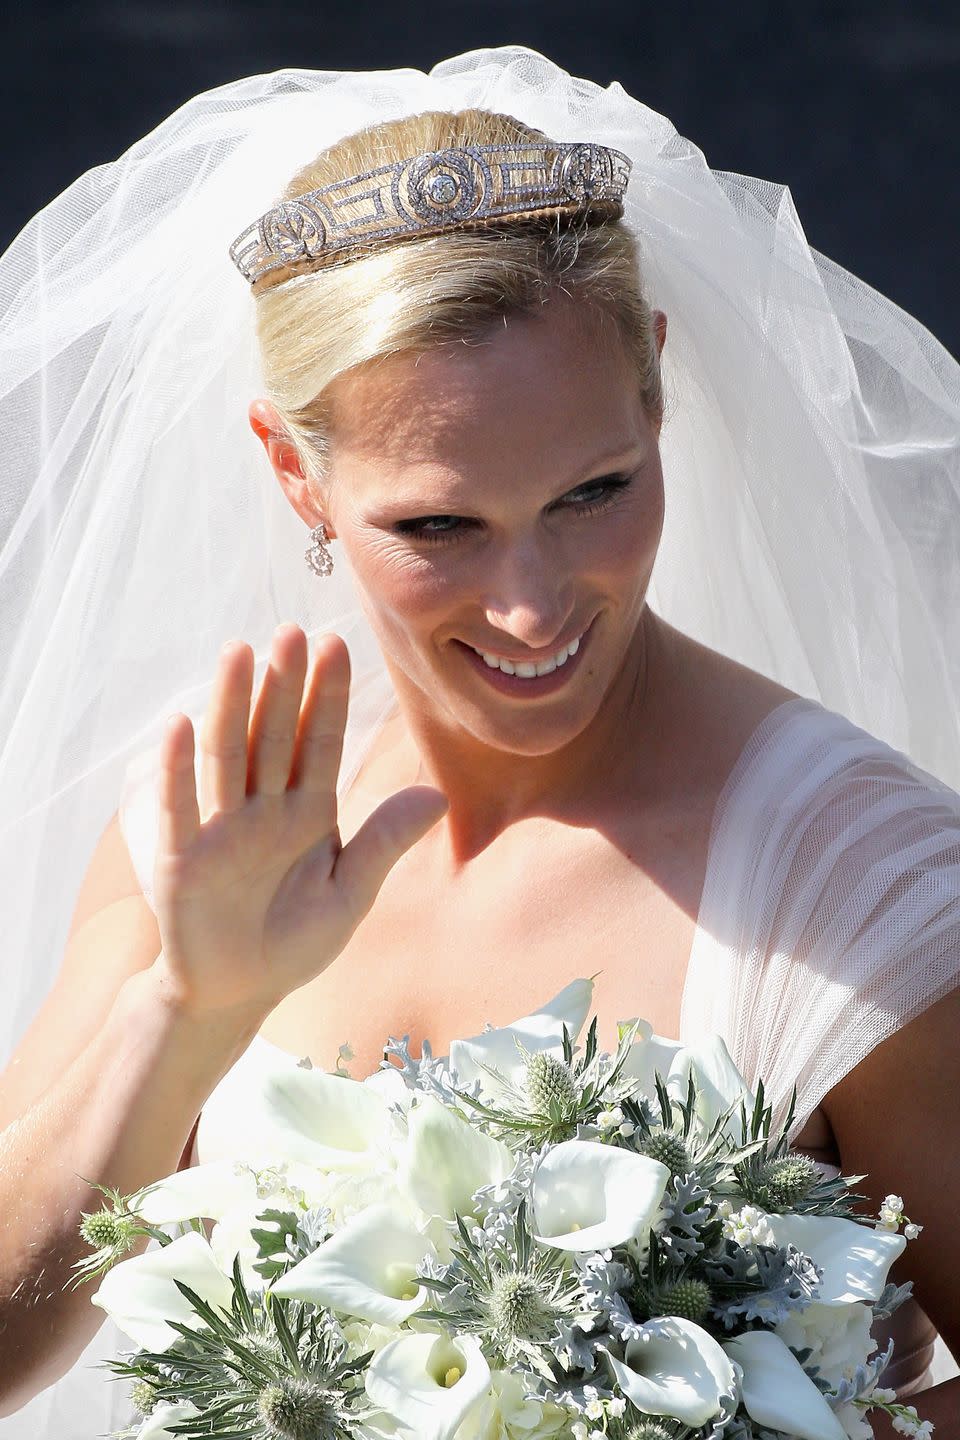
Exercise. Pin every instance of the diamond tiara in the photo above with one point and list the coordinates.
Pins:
(426, 194)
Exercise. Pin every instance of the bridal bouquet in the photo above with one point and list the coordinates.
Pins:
(527, 1239)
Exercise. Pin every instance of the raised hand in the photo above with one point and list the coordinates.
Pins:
(260, 896)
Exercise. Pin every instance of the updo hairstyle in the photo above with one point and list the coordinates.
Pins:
(414, 295)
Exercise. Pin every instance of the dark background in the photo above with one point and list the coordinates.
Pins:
(852, 105)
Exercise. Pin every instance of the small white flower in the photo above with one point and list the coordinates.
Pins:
(748, 1226)
(597, 1435)
(616, 1406)
(594, 1410)
(610, 1119)
(912, 1231)
(893, 1203)
(579, 1430)
(883, 1396)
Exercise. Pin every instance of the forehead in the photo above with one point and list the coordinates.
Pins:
(536, 394)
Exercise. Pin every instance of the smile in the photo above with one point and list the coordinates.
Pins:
(526, 669)
(527, 679)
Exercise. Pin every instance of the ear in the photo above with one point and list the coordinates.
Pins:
(286, 463)
(660, 329)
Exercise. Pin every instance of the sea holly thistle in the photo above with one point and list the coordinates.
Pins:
(111, 1232)
(509, 1292)
(777, 1181)
(271, 1369)
(559, 1099)
(668, 1129)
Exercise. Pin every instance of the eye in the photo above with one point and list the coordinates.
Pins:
(592, 496)
(595, 494)
(433, 527)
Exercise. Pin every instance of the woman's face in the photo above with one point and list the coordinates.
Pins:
(501, 506)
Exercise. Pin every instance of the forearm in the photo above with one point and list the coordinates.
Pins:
(119, 1115)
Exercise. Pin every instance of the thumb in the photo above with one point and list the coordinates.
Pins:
(396, 825)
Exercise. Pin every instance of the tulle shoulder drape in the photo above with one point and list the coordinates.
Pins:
(831, 910)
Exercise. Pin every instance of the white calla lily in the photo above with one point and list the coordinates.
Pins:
(541, 1031)
(589, 1196)
(388, 1082)
(776, 1390)
(139, 1293)
(719, 1083)
(367, 1269)
(446, 1159)
(201, 1191)
(428, 1382)
(673, 1367)
(327, 1121)
(854, 1258)
(648, 1056)
(165, 1413)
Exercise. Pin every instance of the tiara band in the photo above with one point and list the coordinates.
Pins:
(426, 194)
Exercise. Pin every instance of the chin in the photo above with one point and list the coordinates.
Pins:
(540, 730)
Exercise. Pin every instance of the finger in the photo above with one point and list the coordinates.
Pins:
(273, 729)
(323, 719)
(223, 736)
(395, 825)
(178, 813)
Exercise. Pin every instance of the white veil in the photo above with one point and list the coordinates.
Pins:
(810, 456)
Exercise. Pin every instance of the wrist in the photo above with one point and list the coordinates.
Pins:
(157, 1000)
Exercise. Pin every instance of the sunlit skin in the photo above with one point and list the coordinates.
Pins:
(507, 496)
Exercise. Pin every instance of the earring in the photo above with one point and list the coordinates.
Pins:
(318, 556)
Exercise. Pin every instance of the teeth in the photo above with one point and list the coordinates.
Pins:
(525, 668)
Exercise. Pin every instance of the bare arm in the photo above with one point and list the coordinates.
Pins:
(120, 1113)
(148, 1014)
(896, 1119)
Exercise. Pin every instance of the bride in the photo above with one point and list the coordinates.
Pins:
(637, 523)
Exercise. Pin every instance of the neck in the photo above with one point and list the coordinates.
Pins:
(489, 789)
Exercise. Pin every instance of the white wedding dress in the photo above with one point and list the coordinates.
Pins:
(833, 873)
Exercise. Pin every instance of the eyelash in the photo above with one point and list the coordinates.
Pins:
(612, 486)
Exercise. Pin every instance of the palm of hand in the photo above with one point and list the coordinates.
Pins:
(260, 897)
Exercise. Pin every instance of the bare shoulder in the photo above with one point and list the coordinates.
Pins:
(113, 934)
(719, 703)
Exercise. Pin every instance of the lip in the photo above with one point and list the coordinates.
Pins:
(516, 685)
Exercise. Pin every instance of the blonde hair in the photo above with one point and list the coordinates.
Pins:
(416, 294)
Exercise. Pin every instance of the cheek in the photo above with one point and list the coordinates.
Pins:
(623, 547)
(399, 587)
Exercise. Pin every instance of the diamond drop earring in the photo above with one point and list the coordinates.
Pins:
(318, 556)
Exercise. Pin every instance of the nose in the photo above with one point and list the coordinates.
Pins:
(529, 594)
